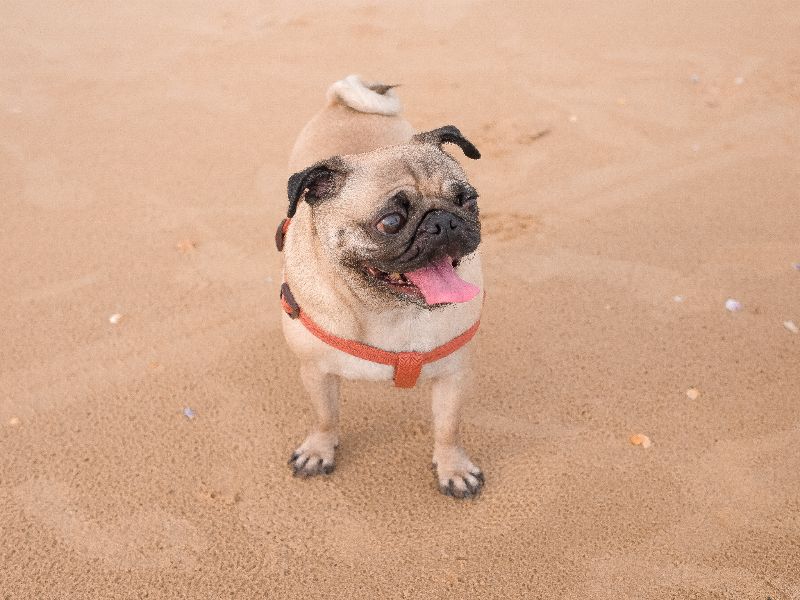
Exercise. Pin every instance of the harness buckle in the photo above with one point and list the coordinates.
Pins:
(409, 366)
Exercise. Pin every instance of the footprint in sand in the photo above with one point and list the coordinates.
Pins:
(505, 137)
(147, 539)
(506, 226)
(50, 185)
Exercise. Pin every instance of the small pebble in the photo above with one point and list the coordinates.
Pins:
(790, 325)
(692, 394)
(739, 80)
(268, 279)
(115, 318)
(186, 246)
(13, 421)
(695, 78)
(733, 305)
(189, 413)
(695, 147)
(642, 440)
(678, 298)
(573, 118)
(711, 96)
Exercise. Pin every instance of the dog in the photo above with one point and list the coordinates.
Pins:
(382, 275)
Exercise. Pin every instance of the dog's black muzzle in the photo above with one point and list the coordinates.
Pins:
(440, 233)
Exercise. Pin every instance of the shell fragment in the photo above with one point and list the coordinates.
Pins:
(641, 439)
(733, 305)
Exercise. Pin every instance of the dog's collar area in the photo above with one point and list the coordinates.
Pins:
(407, 365)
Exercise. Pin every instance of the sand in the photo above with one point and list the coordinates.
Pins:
(143, 165)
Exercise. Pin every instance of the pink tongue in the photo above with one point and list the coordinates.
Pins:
(440, 283)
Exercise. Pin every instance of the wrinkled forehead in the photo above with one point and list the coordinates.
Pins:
(423, 167)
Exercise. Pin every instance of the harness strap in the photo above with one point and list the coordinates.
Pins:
(280, 234)
(407, 365)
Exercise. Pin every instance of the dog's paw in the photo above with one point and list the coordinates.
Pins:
(456, 474)
(315, 456)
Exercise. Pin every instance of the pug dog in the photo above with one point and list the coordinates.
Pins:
(382, 275)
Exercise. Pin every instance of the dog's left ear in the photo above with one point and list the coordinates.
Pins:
(448, 134)
(318, 182)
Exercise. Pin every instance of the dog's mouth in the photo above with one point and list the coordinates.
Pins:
(436, 283)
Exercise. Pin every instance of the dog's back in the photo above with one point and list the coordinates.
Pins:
(359, 117)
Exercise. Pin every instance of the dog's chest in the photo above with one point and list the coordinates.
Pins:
(396, 333)
(351, 367)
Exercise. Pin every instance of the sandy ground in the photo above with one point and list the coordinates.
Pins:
(142, 172)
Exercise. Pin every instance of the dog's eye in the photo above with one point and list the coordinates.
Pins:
(471, 204)
(468, 201)
(391, 223)
(467, 198)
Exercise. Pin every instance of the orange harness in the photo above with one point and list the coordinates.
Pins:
(407, 365)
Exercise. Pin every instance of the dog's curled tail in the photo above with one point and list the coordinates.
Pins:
(364, 97)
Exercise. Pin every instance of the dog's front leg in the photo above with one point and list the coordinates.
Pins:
(457, 475)
(315, 455)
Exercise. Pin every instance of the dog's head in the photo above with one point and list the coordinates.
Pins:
(395, 222)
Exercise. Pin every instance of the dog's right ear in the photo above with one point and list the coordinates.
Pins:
(317, 182)
(449, 134)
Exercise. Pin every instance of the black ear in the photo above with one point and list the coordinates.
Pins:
(448, 135)
(319, 181)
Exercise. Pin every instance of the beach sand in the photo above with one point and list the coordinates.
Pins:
(631, 154)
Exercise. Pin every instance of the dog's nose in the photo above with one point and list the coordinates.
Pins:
(439, 233)
(439, 222)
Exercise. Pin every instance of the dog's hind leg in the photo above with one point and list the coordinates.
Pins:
(315, 456)
(456, 474)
